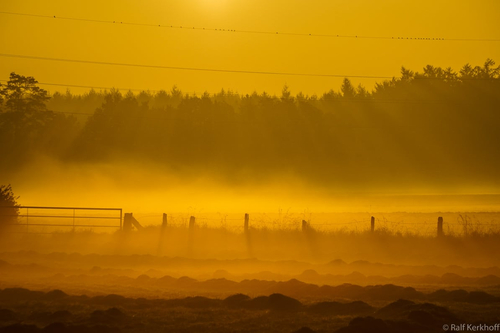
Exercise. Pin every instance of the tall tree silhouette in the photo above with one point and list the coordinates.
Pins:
(26, 126)
(347, 89)
(22, 94)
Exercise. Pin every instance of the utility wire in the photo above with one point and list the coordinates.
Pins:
(233, 71)
(89, 87)
(184, 93)
(261, 32)
(189, 68)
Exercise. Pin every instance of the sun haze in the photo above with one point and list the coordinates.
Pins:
(249, 166)
(375, 38)
(336, 139)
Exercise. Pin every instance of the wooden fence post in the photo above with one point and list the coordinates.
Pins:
(304, 225)
(192, 221)
(135, 223)
(163, 231)
(127, 222)
(247, 235)
(373, 224)
(247, 219)
(440, 227)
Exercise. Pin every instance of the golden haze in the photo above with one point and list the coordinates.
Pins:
(242, 51)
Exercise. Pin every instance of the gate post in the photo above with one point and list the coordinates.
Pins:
(127, 222)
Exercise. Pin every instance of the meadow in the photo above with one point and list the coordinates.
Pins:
(275, 278)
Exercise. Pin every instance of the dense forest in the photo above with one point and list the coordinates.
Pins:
(437, 127)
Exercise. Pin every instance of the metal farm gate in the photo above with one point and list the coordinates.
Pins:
(50, 219)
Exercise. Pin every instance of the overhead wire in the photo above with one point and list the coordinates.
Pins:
(234, 71)
(261, 32)
(183, 68)
(90, 87)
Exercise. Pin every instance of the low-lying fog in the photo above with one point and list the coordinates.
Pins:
(149, 189)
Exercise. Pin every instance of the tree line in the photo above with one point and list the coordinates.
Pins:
(437, 126)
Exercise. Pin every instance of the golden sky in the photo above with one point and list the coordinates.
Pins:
(149, 45)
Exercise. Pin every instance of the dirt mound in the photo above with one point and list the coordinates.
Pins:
(304, 330)
(366, 325)
(7, 315)
(19, 294)
(426, 314)
(62, 315)
(56, 328)
(110, 300)
(377, 325)
(337, 308)
(20, 328)
(109, 316)
(481, 297)
(386, 292)
(50, 317)
(55, 295)
(62, 328)
(390, 292)
(236, 300)
(199, 302)
(275, 302)
(294, 288)
(4, 264)
(220, 284)
(461, 295)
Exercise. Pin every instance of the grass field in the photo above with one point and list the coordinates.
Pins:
(214, 279)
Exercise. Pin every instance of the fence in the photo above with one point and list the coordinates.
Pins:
(37, 219)
(437, 224)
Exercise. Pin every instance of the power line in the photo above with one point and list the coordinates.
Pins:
(223, 70)
(88, 87)
(190, 68)
(261, 32)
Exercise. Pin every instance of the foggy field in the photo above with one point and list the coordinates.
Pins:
(122, 292)
(329, 274)
(258, 166)
(237, 313)
(207, 279)
(466, 241)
